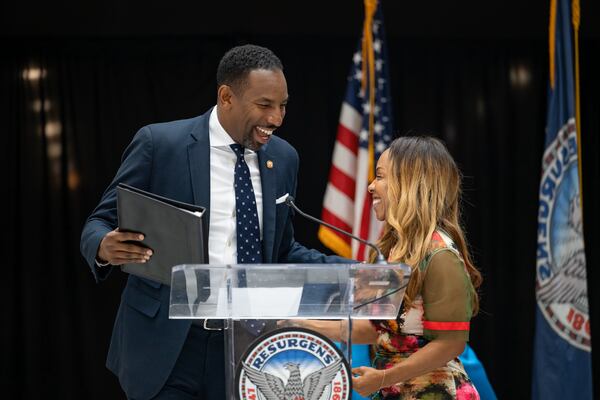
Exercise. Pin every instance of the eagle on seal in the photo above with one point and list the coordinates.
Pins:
(313, 386)
(568, 284)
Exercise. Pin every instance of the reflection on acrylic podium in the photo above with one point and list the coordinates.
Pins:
(267, 355)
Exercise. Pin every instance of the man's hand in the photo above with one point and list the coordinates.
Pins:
(116, 248)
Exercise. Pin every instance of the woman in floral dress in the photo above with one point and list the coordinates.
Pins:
(416, 190)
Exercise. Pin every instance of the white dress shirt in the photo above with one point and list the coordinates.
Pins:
(222, 238)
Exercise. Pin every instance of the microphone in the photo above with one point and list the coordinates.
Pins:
(289, 201)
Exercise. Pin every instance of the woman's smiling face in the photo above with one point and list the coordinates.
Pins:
(378, 188)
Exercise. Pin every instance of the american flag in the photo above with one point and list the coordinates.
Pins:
(364, 132)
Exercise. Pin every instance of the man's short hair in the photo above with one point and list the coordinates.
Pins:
(239, 61)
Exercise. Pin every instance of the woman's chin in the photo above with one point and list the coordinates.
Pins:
(380, 215)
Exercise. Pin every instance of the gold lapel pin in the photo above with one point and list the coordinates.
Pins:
(269, 164)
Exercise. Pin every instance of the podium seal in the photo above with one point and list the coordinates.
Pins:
(293, 363)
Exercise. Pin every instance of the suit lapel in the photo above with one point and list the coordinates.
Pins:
(199, 160)
(268, 180)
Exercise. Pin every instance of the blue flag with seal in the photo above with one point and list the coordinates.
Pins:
(562, 349)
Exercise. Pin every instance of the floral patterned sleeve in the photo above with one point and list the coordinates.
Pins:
(447, 295)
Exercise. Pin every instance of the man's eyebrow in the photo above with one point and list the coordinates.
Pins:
(267, 100)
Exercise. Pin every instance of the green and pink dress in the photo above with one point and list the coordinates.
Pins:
(442, 310)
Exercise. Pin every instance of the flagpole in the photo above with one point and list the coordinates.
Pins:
(576, 18)
(368, 74)
(552, 42)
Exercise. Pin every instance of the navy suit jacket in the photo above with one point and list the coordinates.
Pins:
(173, 160)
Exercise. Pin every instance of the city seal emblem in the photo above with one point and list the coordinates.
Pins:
(293, 364)
(561, 275)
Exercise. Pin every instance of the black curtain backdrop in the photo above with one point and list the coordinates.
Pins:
(70, 106)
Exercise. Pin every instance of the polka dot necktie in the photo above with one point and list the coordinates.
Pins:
(249, 248)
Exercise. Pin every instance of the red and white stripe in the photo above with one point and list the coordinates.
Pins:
(347, 204)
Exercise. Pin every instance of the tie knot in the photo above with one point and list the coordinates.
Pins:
(238, 149)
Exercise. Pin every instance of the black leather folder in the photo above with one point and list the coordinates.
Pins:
(176, 232)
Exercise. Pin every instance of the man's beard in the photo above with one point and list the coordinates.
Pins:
(250, 143)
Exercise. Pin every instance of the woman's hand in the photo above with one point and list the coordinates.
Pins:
(296, 323)
(369, 380)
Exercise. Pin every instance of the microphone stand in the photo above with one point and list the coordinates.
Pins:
(379, 259)
(289, 201)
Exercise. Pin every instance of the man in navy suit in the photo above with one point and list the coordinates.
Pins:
(193, 161)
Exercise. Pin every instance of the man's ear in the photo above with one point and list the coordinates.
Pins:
(224, 95)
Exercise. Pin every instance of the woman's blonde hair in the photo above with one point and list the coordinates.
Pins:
(423, 193)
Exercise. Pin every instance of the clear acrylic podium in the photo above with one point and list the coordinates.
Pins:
(269, 295)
